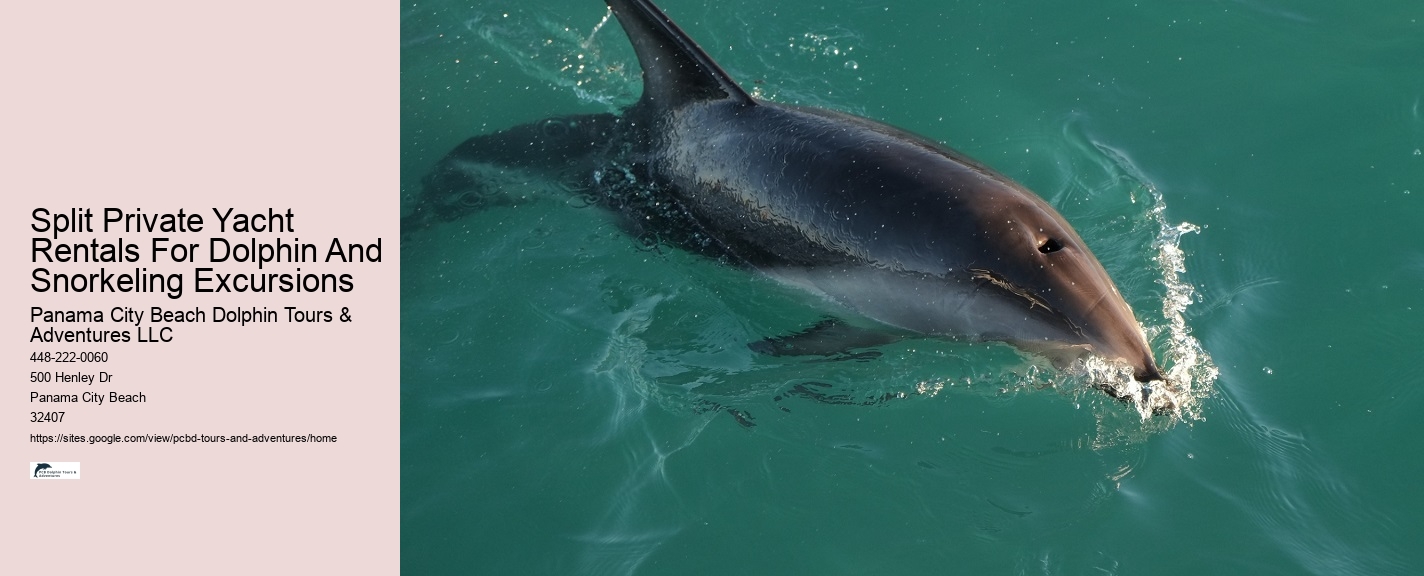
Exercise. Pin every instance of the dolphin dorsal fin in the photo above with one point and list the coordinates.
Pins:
(675, 70)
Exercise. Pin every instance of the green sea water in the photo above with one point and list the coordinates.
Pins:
(1249, 172)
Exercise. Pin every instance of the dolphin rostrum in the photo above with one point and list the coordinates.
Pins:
(892, 229)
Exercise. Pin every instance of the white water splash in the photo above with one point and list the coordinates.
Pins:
(561, 55)
(1190, 372)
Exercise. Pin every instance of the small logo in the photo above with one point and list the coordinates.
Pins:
(54, 470)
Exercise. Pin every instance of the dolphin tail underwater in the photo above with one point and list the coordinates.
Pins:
(891, 229)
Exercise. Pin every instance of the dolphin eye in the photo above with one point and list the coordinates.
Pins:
(1050, 246)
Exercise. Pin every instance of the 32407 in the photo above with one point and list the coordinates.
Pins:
(46, 416)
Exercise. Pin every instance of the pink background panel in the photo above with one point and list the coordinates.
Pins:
(166, 105)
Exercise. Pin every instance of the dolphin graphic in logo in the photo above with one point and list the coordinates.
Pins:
(40, 466)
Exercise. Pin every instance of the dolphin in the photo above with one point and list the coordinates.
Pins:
(900, 235)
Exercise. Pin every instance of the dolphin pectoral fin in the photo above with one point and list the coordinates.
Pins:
(1057, 353)
(828, 394)
(743, 418)
(830, 337)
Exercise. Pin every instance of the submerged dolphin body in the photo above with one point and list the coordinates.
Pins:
(887, 225)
